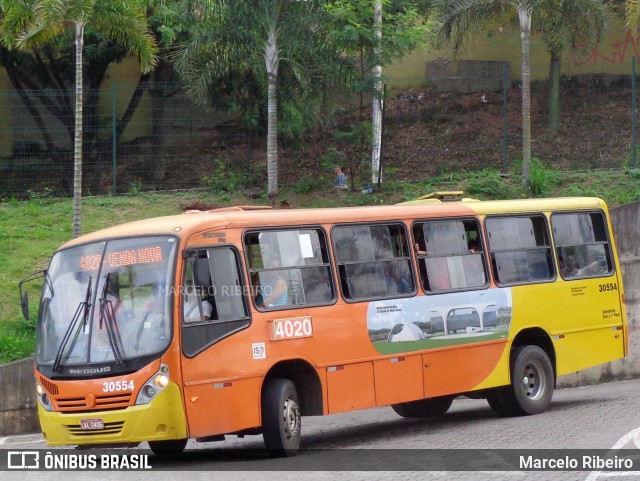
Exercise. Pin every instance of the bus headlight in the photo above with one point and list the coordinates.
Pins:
(153, 386)
(43, 398)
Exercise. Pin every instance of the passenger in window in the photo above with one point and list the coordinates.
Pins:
(473, 246)
(594, 266)
(207, 309)
(192, 310)
(275, 292)
(570, 269)
(400, 277)
(317, 286)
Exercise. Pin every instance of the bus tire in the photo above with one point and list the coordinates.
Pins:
(168, 449)
(496, 400)
(424, 408)
(281, 419)
(531, 387)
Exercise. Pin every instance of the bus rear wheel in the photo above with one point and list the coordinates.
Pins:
(531, 387)
(281, 419)
(424, 408)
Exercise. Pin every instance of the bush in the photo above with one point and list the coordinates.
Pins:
(307, 184)
(490, 184)
(225, 178)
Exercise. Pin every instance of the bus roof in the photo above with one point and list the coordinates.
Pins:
(193, 222)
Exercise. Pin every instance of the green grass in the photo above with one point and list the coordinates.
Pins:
(30, 231)
(384, 347)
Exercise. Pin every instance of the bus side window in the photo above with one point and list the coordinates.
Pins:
(373, 261)
(289, 268)
(450, 255)
(582, 245)
(520, 249)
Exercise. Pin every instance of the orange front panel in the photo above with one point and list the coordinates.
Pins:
(350, 387)
(222, 407)
(398, 379)
(450, 371)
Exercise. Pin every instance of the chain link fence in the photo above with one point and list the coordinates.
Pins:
(153, 137)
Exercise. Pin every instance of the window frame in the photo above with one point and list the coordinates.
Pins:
(483, 251)
(250, 271)
(245, 321)
(408, 256)
(549, 247)
(607, 244)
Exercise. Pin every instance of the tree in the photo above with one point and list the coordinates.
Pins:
(373, 33)
(29, 23)
(562, 23)
(567, 24)
(462, 17)
(249, 42)
(632, 10)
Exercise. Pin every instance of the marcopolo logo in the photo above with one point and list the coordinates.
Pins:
(23, 460)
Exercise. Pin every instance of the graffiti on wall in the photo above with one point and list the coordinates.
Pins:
(617, 52)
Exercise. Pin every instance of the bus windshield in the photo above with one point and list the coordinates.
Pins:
(106, 302)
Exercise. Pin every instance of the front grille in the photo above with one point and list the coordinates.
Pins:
(103, 403)
(49, 386)
(109, 428)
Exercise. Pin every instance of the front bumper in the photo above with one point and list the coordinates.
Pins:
(162, 419)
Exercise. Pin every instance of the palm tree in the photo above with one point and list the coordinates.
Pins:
(461, 17)
(239, 38)
(562, 23)
(28, 23)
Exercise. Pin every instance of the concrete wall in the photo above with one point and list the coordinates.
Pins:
(17, 394)
(18, 398)
(502, 43)
(466, 75)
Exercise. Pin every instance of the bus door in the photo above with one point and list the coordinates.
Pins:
(214, 308)
(592, 330)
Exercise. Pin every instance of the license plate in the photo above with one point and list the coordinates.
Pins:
(91, 424)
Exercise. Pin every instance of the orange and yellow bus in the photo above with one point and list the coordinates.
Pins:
(241, 320)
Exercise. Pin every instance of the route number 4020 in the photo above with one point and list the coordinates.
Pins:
(291, 328)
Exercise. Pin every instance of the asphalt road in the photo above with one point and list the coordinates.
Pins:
(349, 446)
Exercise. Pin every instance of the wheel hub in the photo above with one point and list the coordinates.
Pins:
(291, 416)
(533, 387)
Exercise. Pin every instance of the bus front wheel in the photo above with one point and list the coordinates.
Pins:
(531, 387)
(169, 448)
(424, 408)
(281, 419)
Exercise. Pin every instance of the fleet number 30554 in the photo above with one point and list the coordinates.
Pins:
(114, 386)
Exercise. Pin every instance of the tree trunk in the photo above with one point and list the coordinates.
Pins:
(376, 114)
(77, 146)
(524, 12)
(272, 60)
(554, 89)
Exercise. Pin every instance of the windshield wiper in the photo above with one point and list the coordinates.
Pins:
(108, 315)
(83, 308)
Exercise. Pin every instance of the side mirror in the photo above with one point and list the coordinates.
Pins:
(24, 304)
(24, 297)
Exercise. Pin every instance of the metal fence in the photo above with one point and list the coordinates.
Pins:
(156, 138)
